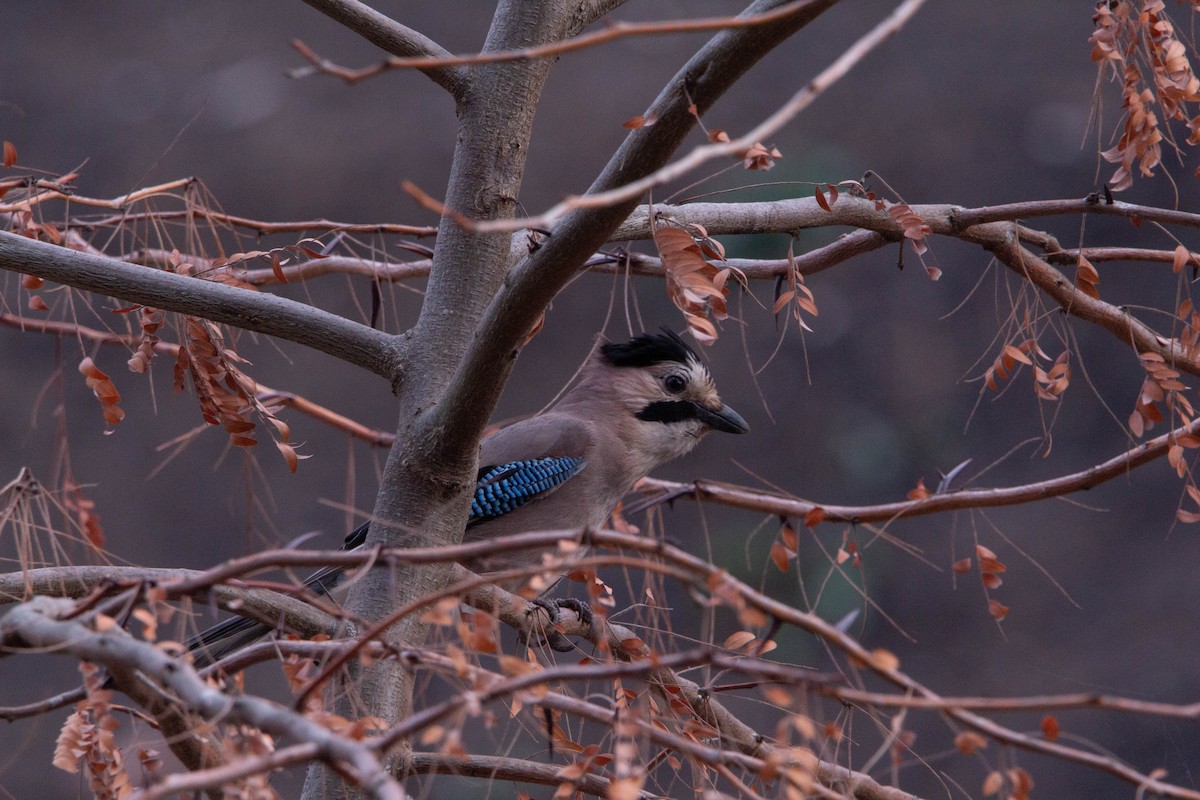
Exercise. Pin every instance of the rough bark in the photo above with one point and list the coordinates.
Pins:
(426, 483)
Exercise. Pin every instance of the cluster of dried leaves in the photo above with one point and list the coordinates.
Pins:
(104, 389)
(990, 569)
(227, 396)
(1048, 383)
(1137, 41)
(1162, 390)
(86, 741)
(797, 295)
(695, 285)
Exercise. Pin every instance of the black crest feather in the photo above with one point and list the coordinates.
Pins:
(649, 349)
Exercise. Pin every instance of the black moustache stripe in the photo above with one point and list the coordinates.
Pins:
(667, 411)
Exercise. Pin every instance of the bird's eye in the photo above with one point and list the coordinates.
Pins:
(674, 383)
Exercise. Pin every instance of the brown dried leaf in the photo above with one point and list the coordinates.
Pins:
(1050, 728)
(10, 153)
(969, 742)
(997, 609)
(737, 641)
(919, 492)
(788, 537)
(290, 456)
(1180, 258)
(759, 158)
(884, 659)
(781, 556)
(1187, 517)
(820, 196)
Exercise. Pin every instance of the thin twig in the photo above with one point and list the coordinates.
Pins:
(610, 32)
(732, 149)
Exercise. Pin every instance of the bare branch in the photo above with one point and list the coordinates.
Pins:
(1071, 256)
(44, 623)
(493, 768)
(1107, 702)
(771, 503)
(732, 149)
(260, 227)
(329, 333)
(264, 393)
(45, 191)
(271, 608)
(399, 40)
(610, 32)
(216, 777)
(1092, 204)
(753, 751)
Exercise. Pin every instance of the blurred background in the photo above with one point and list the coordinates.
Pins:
(972, 103)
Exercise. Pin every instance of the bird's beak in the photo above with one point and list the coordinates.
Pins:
(726, 419)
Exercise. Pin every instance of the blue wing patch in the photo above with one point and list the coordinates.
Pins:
(502, 489)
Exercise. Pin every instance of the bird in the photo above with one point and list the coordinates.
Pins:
(637, 404)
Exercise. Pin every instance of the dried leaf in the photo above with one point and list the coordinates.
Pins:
(821, 201)
(1050, 728)
(758, 157)
(997, 609)
(1187, 517)
(884, 659)
(1180, 258)
(993, 782)
(736, 641)
(969, 742)
(919, 492)
(781, 556)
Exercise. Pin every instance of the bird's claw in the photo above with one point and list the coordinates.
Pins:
(553, 638)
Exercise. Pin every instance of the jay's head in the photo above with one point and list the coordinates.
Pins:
(662, 383)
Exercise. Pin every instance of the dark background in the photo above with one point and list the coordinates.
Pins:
(973, 103)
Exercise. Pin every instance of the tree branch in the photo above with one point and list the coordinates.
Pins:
(509, 768)
(44, 623)
(264, 393)
(753, 752)
(612, 31)
(736, 148)
(399, 40)
(253, 311)
(268, 607)
(772, 503)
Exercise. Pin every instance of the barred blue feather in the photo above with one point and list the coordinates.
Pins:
(503, 489)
